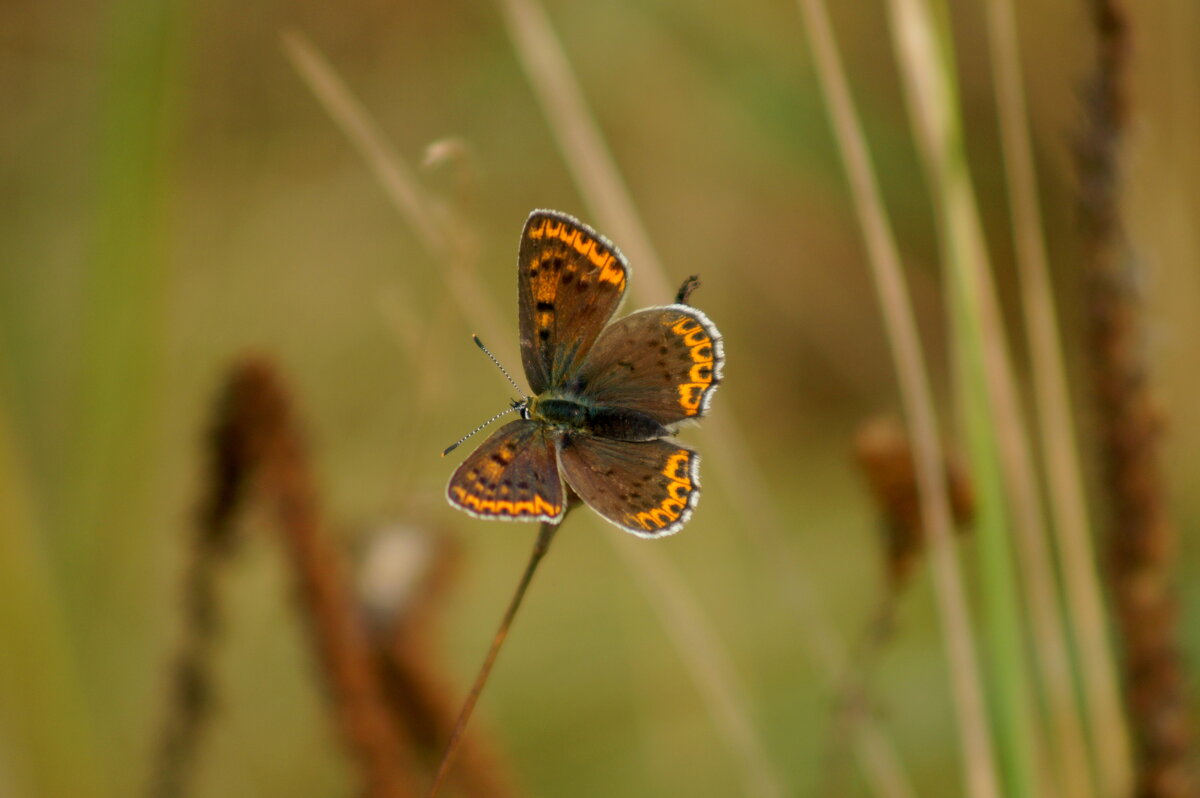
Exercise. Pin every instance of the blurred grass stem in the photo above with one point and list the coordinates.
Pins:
(1142, 540)
(45, 707)
(400, 184)
(1107, 731)
(979, 770)
(987, 402)
(272, 442)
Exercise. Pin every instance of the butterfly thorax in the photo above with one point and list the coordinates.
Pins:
(575, 415)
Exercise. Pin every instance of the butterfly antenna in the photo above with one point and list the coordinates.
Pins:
(503, 370)
(514, 406)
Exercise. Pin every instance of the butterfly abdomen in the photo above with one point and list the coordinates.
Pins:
(606, 422)
(625, 425)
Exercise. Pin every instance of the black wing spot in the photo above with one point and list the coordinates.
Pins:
(662, 350)
(544, 334)
(568, 277)
(522, 485)
(545, 306)
(704, 352)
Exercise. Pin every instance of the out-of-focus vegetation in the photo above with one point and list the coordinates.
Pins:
(175, 197)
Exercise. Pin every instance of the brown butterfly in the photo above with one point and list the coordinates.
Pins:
(606, 397)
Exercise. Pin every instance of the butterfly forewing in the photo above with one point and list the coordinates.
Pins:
(648, 488)
(665, 362)
(570, 281)
(513, 475)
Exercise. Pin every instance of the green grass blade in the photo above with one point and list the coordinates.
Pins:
(43, 709)
(926, 61)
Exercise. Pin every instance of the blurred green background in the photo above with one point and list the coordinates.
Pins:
(174, 197)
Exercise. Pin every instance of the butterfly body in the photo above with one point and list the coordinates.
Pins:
(607, 396)
(579, 416)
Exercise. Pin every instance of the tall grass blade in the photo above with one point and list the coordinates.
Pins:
(926, 64)
(979, 770)
(45, 708)
(1107, 732)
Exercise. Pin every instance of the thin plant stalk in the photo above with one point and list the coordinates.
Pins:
(268, 436)
(1107, 731)
(540, 547)
(875, 748)
(1142, 540)
(979, 770)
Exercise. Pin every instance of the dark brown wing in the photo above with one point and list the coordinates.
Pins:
(512, 476)
(665, 362)
(648, 488)
(570, 280)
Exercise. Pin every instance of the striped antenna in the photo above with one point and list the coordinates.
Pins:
(515, 406)
(503, 370)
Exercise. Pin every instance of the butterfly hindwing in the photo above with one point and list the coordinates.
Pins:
(513, 475)
(665, 362)
(570, 280)
(648, 488)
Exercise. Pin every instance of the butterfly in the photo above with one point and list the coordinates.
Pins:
(606, 397)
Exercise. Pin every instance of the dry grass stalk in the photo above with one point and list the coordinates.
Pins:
(1142, 539)
(979, 766)
(884, 453)
(336, 630)
(230, 451)
(256, 440)
(1087, 625)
